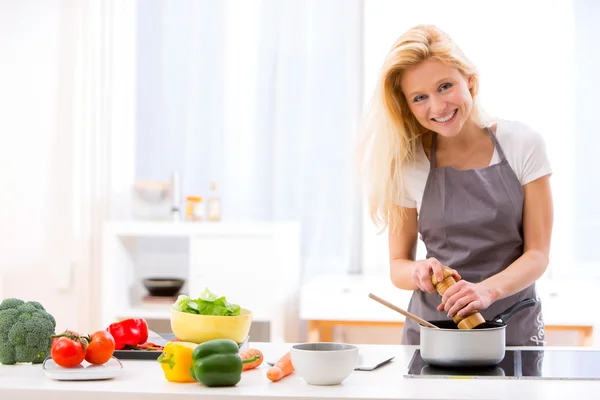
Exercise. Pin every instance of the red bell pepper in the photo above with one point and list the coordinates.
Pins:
(130, 332)
(143, 327)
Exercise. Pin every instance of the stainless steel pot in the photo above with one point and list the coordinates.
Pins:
(448, 346)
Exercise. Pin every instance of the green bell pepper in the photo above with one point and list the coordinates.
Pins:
(217, 363)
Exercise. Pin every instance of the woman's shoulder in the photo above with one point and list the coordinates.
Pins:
(518, 134)
(525, 149)
(418, 162)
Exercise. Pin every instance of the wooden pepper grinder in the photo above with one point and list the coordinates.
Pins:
(470, 321)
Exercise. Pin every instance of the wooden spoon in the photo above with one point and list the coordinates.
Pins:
(401, 311)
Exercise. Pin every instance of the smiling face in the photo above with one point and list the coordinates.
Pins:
(438, 96)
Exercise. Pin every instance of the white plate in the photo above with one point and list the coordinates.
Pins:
(84, 371)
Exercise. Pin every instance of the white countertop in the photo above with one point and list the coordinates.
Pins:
(145, 380)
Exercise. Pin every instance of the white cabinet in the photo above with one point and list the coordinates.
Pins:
(255, 265)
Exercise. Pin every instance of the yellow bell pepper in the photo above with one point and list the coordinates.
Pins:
(176, 360)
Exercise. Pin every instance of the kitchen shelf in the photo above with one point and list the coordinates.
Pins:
(187, 228)
(221, 256)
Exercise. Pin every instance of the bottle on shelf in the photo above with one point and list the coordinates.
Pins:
(194, 209)
(213, 204)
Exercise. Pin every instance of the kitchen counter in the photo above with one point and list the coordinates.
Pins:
(342, 300)
(145, 380)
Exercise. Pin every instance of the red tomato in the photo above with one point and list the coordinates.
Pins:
(68, 351)
(101, 348)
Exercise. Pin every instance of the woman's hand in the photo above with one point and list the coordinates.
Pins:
(465, 297)
(422, 271)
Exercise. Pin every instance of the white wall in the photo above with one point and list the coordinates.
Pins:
(514, 46)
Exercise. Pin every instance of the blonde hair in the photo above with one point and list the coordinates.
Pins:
(390, 131)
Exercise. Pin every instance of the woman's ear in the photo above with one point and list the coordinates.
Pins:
(473, 86)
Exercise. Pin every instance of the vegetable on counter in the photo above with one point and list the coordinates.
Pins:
(176, 361)
(217, 363)
(68, 349)
(251, 358)
(25, 332)
(149, 346)
(129, 332)
(282, 368)
(101, 347)
(207, 304)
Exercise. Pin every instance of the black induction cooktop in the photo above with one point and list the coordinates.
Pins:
(519, 364)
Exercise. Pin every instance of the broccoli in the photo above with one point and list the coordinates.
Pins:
(26, 330)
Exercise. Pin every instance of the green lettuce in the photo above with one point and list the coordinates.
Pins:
(207, 304)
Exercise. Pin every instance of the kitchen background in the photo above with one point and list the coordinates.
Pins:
(251, 108)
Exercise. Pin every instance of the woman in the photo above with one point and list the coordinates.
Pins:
(476, 191)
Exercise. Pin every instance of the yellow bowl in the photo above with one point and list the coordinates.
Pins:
(202, 328)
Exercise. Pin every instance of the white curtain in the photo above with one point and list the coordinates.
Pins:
(31, 205)
(102, 133)
(67, 143)
(262, 97)
(308, 101)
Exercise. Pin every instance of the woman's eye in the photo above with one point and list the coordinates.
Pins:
(445, 86)
(419, 98)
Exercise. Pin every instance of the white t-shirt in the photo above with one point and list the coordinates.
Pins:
(524, 148)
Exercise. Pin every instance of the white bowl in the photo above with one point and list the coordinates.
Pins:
(324, 363)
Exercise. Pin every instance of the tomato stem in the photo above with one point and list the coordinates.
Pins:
(65, 334)
(84, 340)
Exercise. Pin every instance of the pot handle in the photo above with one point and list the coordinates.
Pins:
(503, 317)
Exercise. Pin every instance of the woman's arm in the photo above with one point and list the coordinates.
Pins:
(538, 218)
(403, 248)
(405, 272)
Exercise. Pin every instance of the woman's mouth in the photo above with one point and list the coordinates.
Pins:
(447, 119)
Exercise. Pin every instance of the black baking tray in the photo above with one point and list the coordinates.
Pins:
(153, 354)
(137, 354)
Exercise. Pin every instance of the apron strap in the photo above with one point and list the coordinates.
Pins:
(497, 144)
(432, 150)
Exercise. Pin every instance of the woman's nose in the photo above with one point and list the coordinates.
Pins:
(438, 105)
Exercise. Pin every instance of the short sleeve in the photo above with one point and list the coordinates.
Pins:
(535, 157)
(406, 200)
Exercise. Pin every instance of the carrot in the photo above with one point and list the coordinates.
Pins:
(251, 358)
(282, 368)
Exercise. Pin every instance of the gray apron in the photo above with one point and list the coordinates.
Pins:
(471, 221)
